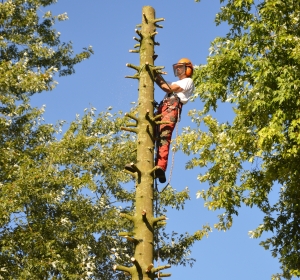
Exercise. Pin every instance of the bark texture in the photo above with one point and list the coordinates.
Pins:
(143, 125)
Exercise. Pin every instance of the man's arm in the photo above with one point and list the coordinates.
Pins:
(167, 87)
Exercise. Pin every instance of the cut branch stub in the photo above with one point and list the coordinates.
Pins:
(159, 268)
(127, 216)
(138, 32)
(128, 124)
(158, 219)
(134, 130)
(158, 26)
(160, 224)
(133, 240)
(157, 117)
(153, 34)
(134, 51)
(135, 76)
(159, 275)
(155, 68)
(126, 234)
(135, 67)
(122, 268)
(158, 20)
(134, 167)
(131, 116)
(134, 175)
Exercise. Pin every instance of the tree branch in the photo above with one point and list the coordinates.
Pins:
(131, 124)
(122, 268)
(158, 20)
(131, 116)
(162, 275)
(126, 234)
(158, 219)
(127, 216)
(134, 130)
(137, 68)
(153, 270)
(135, 76)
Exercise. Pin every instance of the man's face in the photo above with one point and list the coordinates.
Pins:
(179, 69)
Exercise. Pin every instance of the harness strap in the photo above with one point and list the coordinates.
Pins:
(178, 106)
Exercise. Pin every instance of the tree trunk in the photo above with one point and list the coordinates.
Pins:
(143, 219)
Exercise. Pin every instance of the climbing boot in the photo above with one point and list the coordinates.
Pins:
(160, 174)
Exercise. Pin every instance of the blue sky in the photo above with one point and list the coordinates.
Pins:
(189, 28)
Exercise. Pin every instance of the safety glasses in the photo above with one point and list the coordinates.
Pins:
(179, 69)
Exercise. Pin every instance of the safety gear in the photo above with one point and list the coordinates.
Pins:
(160, 174)
(184, 65)
(169, 110)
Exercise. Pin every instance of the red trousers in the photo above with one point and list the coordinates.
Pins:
(169, 109)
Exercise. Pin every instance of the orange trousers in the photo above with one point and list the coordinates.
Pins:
(169, 109)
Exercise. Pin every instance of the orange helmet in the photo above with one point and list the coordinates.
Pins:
(186, 65)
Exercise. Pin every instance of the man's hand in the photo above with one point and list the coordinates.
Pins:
(167, 87)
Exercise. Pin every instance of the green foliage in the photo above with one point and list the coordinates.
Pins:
(175, 248)
(57, 216)
(51, 227)
(255, 67)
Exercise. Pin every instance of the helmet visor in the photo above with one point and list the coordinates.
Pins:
(179, 69)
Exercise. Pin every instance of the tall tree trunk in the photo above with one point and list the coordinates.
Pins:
(144, 125)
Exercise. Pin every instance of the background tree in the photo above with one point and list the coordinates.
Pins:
(61, 196)
(255, 67)
(48, 225)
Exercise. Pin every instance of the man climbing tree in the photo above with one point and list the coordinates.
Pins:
(178, 93)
